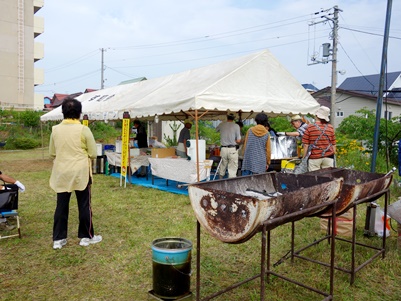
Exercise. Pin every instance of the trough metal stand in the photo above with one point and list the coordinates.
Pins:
(265, 262)
(379, 250)
(266, 266)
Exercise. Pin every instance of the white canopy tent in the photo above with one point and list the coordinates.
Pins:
(246, 85)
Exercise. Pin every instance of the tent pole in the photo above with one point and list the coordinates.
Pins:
(197, 144)
(43, 143)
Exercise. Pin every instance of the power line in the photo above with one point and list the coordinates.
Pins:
(209, 57)
(72, 79)
(72, 62)
(206, 38)
(370, 33)
(355, 65)
(219, 46)
(193, 40)
(218, 35)
(122, 73)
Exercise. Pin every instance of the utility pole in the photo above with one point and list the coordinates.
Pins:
(102, 50)
(382, 86)
(334, 67)
(326, 53)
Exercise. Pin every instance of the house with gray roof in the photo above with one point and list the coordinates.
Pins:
(310, 88)
(369, 84)
(360, 92)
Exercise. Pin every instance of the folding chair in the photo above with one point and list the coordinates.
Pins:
(11, 213)
(9, 206)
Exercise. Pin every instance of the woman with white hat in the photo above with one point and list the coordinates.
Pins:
(321, 137)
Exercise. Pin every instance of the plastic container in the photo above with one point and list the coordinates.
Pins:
(191, 150)
(171, 267)
(99, 149)
(101, 164)
(94, 166)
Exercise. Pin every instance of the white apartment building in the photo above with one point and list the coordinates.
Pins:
(18, 52)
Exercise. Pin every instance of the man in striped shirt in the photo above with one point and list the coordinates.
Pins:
(322, 138)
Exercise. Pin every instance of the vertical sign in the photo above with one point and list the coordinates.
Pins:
(125, 144)
(85, 120)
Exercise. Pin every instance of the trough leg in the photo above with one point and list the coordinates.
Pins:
(353, 246)
(384, 223)
(263, 264)
(197, 261)
(333, 247)
(292, 240)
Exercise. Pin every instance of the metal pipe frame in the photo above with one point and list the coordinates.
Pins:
(265, 261)
(380, 250)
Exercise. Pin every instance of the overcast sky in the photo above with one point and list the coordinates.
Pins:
(154, 38)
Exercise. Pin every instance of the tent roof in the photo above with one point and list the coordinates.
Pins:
(246, 85)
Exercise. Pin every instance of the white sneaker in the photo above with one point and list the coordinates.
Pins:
(88, 241)
(58, 244)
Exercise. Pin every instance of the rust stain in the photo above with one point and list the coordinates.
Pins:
(234, 217)
(357, 185)
(226, 214)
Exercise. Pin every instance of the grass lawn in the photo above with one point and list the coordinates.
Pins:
(129, 219)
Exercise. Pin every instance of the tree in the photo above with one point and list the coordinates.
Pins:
(30, 118)
(172, 141)
(361, 127)
(208, 132)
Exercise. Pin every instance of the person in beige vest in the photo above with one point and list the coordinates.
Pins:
(72, 146)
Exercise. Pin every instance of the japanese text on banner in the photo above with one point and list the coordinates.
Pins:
(125, 145)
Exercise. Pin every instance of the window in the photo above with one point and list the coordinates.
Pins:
(340, 114)
(388, 115)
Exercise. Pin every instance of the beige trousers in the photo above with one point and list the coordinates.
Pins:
(229, 161)
(316, 164)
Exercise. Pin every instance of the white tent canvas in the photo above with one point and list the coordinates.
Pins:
(248, 84)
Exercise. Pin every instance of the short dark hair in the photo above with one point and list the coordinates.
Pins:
(230, 116)
(136, 121)
(262, 119)
(71, 108)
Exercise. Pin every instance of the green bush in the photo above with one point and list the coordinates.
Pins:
(104, 132)
(23, 143)
(361, 127)
(30, 118)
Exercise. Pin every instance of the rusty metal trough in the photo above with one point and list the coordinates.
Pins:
(233, 210)
(357, 185)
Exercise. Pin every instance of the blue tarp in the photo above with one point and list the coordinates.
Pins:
(159, 183)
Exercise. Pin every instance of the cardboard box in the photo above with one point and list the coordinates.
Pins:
(162, 152)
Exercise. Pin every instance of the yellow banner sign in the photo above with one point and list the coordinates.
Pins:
(85, 120)
(125, 147)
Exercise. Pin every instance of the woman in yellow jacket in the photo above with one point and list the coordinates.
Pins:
(72, 146)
